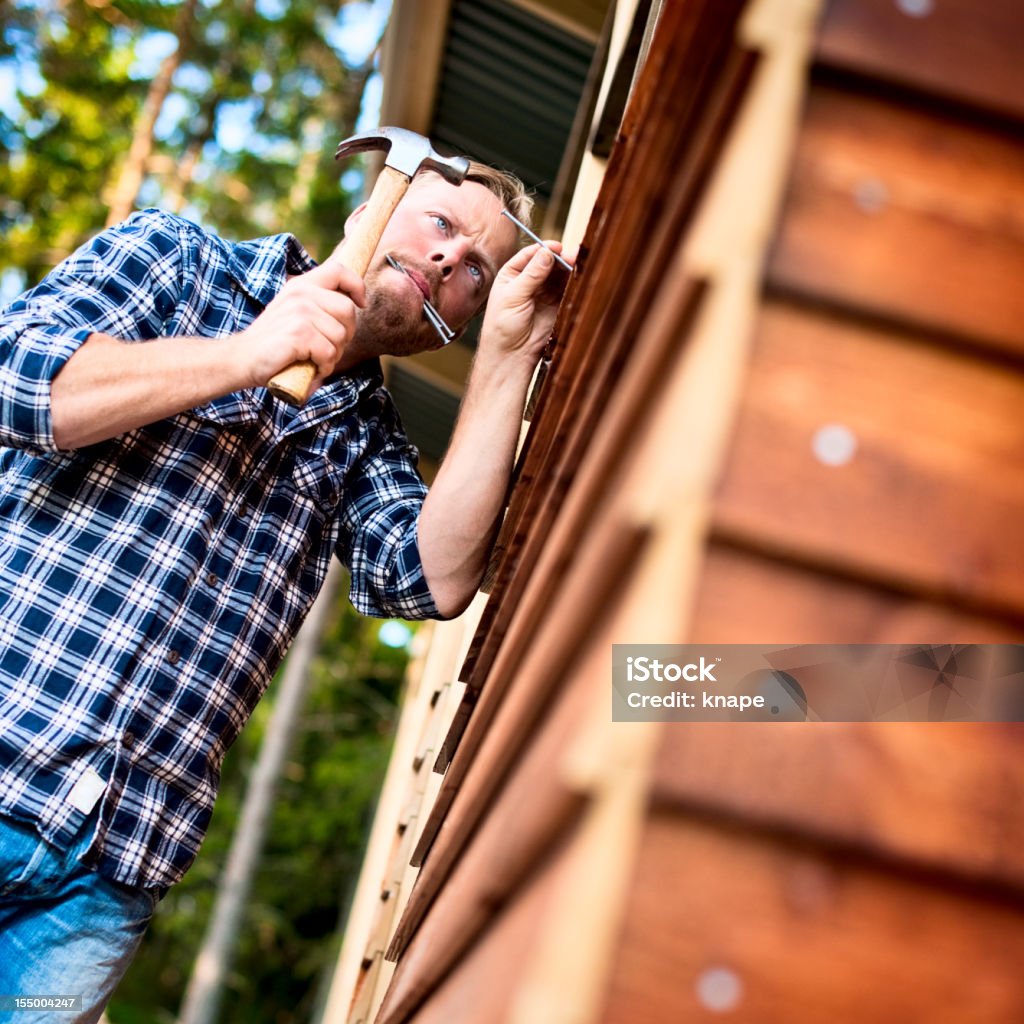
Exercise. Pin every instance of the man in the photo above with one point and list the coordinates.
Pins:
(166, 524)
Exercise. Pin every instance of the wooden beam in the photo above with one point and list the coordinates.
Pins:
(958, 49)
(941, 796)
(726, 925)
(647, 197)
(745, 596)
(411, 62)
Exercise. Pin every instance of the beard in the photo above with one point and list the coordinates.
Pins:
(392, 322)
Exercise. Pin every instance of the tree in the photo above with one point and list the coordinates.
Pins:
(133, 170)
(237, 127)
(74, 109)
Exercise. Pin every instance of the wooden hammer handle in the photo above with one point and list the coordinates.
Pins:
(293, 383)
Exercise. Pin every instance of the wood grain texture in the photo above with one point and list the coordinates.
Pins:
(807, 938)
(960, 49)
(508, 714)
(945, 796)
(907, 215)
(672, 132)
(485, 983)
(933, 493)
(525, 816)
(744, 597)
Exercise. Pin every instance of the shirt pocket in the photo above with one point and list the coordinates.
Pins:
(237, 410)
(317, 478)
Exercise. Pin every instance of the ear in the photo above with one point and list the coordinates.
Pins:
(353, 217)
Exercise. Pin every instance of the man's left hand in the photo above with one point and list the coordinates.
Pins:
(523, 302)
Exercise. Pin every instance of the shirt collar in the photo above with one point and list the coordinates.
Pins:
(260, 267)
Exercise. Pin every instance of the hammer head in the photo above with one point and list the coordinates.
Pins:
(407, 153)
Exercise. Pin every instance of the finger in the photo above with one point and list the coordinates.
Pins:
(519, 261)
(537, 268)
(333, 275)
(523, 257)
(336, 332)
(321, 339)
(335, 304)
(568, 253)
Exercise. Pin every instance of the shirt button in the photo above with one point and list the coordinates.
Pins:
(128, 740)
(243, 510)
(173, 657)
(212, 579)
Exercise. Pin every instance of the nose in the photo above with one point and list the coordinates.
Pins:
(447, 256)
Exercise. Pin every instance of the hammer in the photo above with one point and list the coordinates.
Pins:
(407, 154)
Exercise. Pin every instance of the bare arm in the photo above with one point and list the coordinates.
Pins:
(109, 386)
(461, 512)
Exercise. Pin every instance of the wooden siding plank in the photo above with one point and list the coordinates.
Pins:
(522, 823)
(960, 49)
(942, 795)
(743, 597)
(906, 215)
(485, 983)
(803, 937)
(638, 389)
(502, 725)
(935, 478)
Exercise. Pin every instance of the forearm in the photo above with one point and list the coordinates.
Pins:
(461, 512)
(109, 387)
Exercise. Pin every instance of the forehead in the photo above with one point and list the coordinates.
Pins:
(474, 208)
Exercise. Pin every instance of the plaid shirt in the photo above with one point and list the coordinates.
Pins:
(150, 584)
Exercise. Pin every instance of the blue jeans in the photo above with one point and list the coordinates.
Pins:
(64, 930)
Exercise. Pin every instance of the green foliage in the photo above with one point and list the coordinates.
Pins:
(244, 141)
(62, 149)
(314, 846)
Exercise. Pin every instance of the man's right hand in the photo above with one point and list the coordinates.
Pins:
(313, 317)
(109, 386)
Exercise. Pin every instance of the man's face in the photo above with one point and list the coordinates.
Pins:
(452, 240)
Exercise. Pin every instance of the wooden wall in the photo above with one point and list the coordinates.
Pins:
(785, 406)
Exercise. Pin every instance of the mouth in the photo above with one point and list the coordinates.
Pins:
(420, 282)
(418, 279)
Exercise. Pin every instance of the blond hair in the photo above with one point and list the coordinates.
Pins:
(510, 191)
(506, 186)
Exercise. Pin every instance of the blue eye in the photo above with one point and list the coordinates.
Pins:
(440, 222)
(476, 271)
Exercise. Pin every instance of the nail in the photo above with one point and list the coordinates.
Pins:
(433, 317)
(540, 241)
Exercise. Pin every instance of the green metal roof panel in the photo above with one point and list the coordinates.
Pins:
(510, 85)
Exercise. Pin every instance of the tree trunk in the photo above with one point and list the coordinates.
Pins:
(176, 191)
(133, 172)
(202, 1000)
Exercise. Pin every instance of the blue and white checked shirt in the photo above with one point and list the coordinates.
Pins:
(150, 584)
